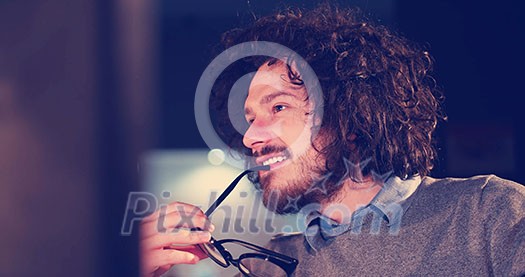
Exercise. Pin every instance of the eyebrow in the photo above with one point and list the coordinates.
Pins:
(270, 97)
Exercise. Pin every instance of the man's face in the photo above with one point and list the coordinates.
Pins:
(280, 135)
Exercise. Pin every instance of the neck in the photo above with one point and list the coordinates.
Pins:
(352, 196)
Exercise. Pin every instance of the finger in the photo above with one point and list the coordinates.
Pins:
(177, 207)
(163, 259)
(162, 270)
(175, 220)
(192, 249)
(180, 236)
(154, 271)
(173, 257)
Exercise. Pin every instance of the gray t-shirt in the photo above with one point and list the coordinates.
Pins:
(452, 227)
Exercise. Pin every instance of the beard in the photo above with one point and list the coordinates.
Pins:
(303, 181)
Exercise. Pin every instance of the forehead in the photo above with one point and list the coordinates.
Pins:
(271, 79)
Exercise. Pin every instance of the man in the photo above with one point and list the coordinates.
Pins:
(355, 161)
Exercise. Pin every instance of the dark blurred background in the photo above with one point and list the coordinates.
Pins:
(86, 87)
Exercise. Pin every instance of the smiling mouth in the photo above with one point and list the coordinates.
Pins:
(274, 160)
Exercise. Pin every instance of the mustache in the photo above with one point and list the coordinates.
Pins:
(268, 149)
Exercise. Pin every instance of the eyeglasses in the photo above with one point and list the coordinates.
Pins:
(261, 263)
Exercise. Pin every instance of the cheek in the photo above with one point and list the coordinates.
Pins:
(296, 135)
(291, 130)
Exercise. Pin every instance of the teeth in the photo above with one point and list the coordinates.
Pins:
(274, 160)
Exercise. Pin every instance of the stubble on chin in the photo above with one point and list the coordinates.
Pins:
(288, 196)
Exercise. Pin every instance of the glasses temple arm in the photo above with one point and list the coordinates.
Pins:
(229, 189)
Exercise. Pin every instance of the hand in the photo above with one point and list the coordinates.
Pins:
(166, 239)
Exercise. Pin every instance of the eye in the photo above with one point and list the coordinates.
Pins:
(250, 120)
(278, 108)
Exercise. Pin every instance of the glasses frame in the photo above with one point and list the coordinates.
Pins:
(288, 264)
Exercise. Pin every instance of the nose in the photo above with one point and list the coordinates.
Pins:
(258, 134)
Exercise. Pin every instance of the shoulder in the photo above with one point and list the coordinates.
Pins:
(487, 192)
(476, 184)
(504, 198)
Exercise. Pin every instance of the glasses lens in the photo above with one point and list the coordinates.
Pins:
(259, 267)
(213, 253)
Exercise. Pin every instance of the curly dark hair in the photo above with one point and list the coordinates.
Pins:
(380, 102)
